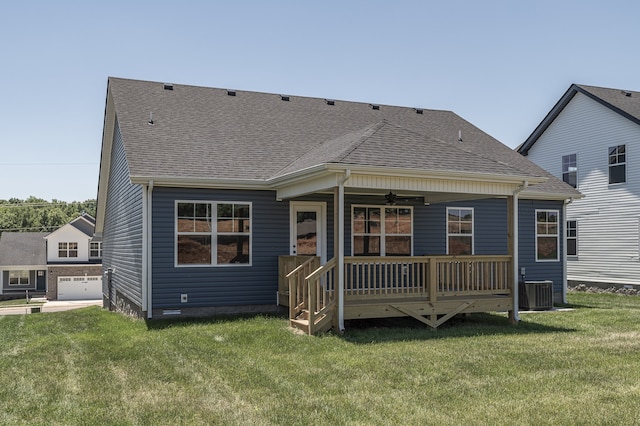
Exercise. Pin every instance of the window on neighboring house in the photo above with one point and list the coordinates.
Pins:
(572, 238)
(95, 249)
(617, 164)
(459, 230)
(382, 231)
(18, 277)
(570, 170)
(547, 235)
(199, 242)
(68, 249)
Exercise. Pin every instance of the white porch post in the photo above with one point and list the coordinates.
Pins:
(515, 252)
(340, 253)
(516, 266)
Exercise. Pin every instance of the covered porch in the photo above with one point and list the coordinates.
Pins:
(323, 291)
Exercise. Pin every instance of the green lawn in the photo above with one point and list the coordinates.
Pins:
(90, 366)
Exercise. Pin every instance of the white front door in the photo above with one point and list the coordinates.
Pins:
(308, 229)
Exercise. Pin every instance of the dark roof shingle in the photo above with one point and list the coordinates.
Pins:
(23, 248)
(201, 132)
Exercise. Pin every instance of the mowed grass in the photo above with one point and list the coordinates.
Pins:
(91, 366)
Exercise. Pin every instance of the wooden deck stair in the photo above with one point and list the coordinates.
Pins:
(322, 323)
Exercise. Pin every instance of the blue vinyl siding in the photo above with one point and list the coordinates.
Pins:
(489, 223)
(122, 236)
(208, 286)
(538, 271)
(229, 285)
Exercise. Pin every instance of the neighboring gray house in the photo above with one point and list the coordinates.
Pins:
(64, 264)
(23, 262)
(203, 191)
(591, 139)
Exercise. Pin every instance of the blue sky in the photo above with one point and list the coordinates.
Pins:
(501, 65)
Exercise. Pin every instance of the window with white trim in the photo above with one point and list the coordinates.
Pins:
(459, 230)
(68, 249)
(382, 231)
(617, 164)
(572, 238)
(95, 249)
(213, 233)
(18, 277)
(547, 235)
(570, 170)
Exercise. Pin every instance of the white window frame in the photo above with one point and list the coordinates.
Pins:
(213, 234)
(473, 228)
(383, 234)
(97, 250)
(623, 163)
(566, 230)
(67, 249)
(569, 171)
(19, 275)
(557, 235)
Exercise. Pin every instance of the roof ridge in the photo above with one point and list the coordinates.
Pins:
(369, 131)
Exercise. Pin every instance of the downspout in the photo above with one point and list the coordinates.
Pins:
(516, 254)
(340, 254)
(147, 243)
(564, 251)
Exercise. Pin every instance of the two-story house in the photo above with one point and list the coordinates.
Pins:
(65, 264)
(591, 140)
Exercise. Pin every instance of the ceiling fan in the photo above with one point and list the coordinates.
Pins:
(392, 198)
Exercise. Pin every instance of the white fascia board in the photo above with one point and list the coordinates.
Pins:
(22, 267)
(190, 182)
(538, 195)
(105, 162)
(318, 182)
(436, 174)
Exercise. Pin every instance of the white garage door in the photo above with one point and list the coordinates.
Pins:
(79, 288)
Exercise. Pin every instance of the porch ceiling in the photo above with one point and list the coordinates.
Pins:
(435, 188)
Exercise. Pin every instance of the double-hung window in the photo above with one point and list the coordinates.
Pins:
(68, 249)
(18, 277)
(547, 235)
(459, 230)
(572, 238)
(617, 164)
(570, 170)
(382, 231)
(95, 249)
(213, 233)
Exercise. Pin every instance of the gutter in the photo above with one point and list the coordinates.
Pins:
(516, 252)
(146, 248)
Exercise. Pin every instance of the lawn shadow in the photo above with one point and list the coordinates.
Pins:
(385, 330)
(165, 323)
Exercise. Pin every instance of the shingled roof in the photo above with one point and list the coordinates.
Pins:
(624, 102)
(188, 132)
(23, 248)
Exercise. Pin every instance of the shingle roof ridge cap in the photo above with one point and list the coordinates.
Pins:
(293, 96)
(367, 132)
(325, 142)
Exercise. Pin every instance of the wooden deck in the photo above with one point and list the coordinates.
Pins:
(431, 289)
